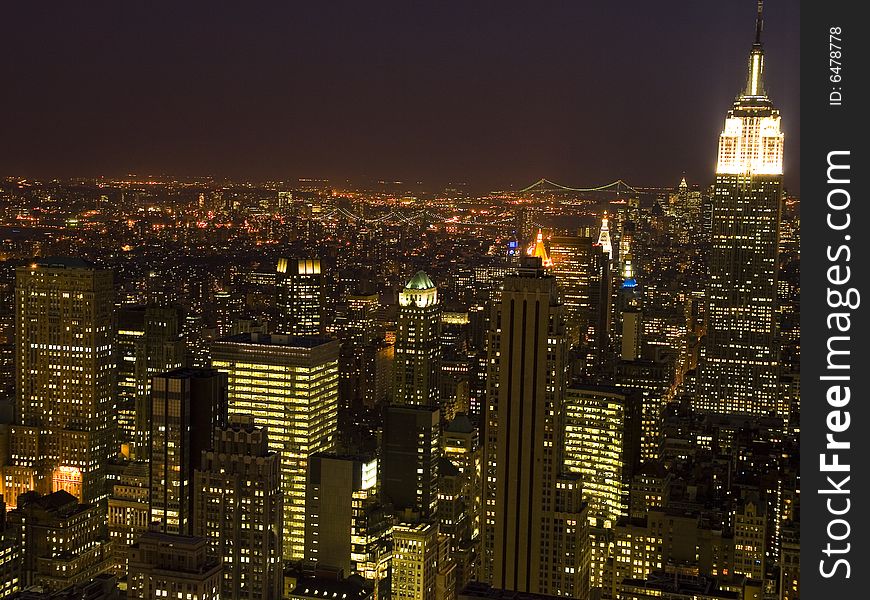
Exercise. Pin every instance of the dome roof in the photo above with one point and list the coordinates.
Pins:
(420, 281)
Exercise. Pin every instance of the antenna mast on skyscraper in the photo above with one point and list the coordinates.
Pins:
(759, 22)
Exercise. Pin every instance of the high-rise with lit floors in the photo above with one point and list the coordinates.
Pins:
(150, 341)
(418, 347)
(238, 508)
(740, 368)
(65, 374)
(299, 290)
(346, 526)
(186, 406)
(290, 386)
(535, 530)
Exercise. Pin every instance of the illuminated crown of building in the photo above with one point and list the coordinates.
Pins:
(420, 291)
(751, 142)
(538, 249)
(604, 237)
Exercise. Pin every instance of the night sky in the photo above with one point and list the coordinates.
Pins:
(491, 93)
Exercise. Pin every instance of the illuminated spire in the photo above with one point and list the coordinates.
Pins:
(538, 249)
(604, 237)
(754, 81)
(752, 141)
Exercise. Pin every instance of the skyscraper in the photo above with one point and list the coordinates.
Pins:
(186, 406)
(740, 369)
(535, 530)
(346, 527)
(582, 272)
(300, 296)
(65, 371)
(602, 444)
(290, 386)
(418, 347)
(409, 459)
(150, 341)
(238, 508)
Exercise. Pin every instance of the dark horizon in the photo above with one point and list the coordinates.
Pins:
(576, 94)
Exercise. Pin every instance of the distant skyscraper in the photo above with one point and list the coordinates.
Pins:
(65, 367)
(740, 370)
(535, 536)
(300, 296)
(238, 508)
(290, 386)
(186, 406)
(150, 341)
(409, 459)
(418, 347)
(582, 273)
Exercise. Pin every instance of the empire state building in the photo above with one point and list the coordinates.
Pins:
(740, 367)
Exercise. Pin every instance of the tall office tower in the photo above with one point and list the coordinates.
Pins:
(186, 406)
(238, 508)
(129, 514)
(346, 527)
(62, 542)
(740, 370)
(535, 534)
(65, 368)
(362, 323)
(364, 354)
(421, 568)
(418, 348)
(299, 296)
(602, 444)
(409, 459)
(150, 341)
(583, 275)
(290, 386)
(164, 565)
(653, 380)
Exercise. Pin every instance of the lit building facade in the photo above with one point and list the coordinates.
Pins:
(186, 406)
(346, 527)
(129, 513)
(300, 296)
(62, 542)
(290, 386)
(149, 341)
(602, 444)
(65, 372)
(238, 508)
(740, 368)
(173, 566)
(418, 345)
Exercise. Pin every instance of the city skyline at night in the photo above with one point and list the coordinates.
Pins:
(446, 325)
